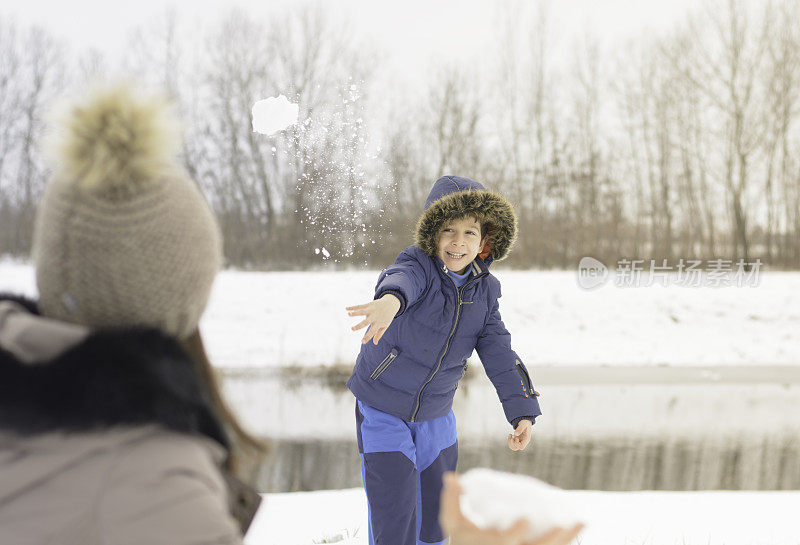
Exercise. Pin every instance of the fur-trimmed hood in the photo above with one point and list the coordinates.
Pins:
(454, 197)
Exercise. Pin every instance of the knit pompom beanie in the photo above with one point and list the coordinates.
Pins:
(123, 237)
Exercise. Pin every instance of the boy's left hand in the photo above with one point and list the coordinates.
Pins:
(521, 436)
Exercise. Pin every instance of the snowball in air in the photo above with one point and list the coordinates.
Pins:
(494, 499)
(274, 114)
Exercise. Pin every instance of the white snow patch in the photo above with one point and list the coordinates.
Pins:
(274, 114)
(553, 322)
(624, 518)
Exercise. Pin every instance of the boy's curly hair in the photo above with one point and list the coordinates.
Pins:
(492, 210)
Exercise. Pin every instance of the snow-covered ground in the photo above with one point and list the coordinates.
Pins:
(614, 518)
(299, 318)
(276, 319)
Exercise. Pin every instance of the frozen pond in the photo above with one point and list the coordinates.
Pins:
(605, 428)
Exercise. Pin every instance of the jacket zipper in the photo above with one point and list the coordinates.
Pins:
(382, 366)
(446, 345)
(524, 374)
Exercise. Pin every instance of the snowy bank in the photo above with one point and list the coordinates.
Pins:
(298, 318)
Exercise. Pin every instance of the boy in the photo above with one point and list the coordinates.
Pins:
(441, 303)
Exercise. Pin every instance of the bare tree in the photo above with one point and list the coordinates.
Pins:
(438, 136)
(31, 75)
(649, 101)
(783, 83)
(526, 147)
(278, 196)
(725, 65)
(593, 199)
(454, 113)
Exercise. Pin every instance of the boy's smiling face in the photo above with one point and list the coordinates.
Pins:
(459, 242)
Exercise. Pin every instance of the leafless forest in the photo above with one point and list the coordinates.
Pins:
(683, 144)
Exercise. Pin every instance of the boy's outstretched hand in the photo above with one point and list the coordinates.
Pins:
(378, 314)
(463, 532)
(521, 436)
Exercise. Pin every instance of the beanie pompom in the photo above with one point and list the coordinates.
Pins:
(115, 142)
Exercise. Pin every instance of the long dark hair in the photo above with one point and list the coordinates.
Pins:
(245, 448)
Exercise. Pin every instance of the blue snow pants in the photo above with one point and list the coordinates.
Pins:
(402, 464)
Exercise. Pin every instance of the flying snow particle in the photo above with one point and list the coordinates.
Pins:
(274, 114)
(316, 251)
(325, 253)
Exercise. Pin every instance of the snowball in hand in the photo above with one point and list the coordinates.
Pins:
(274, 114)
(493, 499)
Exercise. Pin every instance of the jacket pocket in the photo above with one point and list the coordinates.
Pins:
(463, 374)
(382, 366)
(527, 385)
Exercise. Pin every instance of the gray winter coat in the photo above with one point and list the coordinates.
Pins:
(108, 438)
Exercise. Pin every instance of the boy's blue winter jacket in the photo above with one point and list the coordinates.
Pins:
(413, 371)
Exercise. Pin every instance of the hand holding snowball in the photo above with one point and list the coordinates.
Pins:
(521, 436)
(378, 315)
(462, 531)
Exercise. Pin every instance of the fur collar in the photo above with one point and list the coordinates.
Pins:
(119, 376)
(488, 207)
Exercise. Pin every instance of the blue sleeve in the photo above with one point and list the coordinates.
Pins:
(405, 280)
(505, 369)
(516, 421)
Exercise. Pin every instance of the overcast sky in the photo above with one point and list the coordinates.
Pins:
(408, 31)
